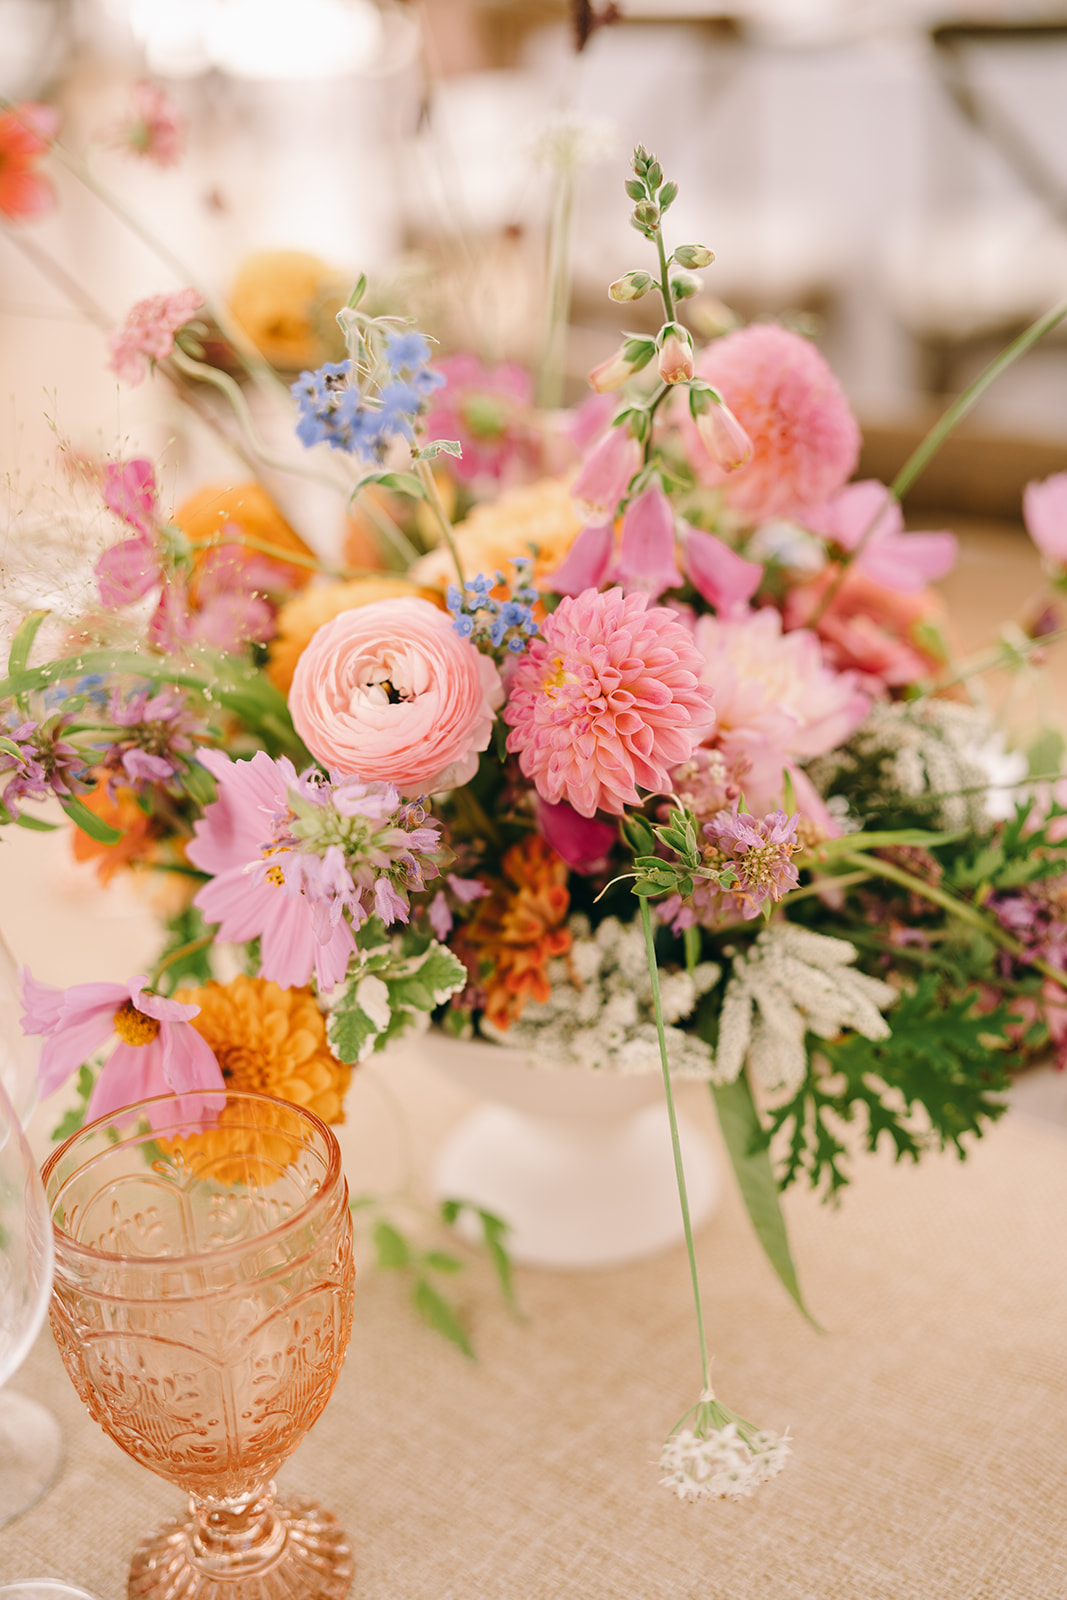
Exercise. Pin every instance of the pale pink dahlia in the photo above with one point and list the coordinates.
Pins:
(805, 441)
(606, 701)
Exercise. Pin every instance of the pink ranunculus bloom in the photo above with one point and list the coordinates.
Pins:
(250, 895)
(805, 441)
(154, 128)
(488, 410)
(646, 549)
(776, 700)
(726, 580)
(1045, 515)
(26, 131)
(148, 332)
(390, 693)
(898, 560)
(158, 1052)
(606, 701)
(607, 471)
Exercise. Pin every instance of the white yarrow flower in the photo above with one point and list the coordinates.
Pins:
(721, 1457)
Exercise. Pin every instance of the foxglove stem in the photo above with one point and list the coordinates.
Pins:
(664, 276)
(683, 1195)
(1000, 656)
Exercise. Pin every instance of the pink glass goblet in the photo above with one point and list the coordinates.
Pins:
(202, 1305)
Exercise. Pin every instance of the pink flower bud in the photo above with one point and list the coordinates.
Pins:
(675, 359)
(606, 471)
(610, 374)
(723, 437)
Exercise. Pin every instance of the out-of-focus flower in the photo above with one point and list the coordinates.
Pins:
(300, 618)
(270, 1040)
(584, 842)
(587, 562)
(885, 635)
(159, 731)
(538, 520)
(718, 430)
(1045, 515)
(158, 1052)
(287, 302)
(805, 441)
(141, 833)
(390, 693)
(488, 409)
(726, 580)
(607, 700)
(129, 490)
(224, 523)
(154, 128)
(607, 471)
(516, 930)
(891, 557)
(26, 131)
(41, 763)
(148, 332)
(334, 409)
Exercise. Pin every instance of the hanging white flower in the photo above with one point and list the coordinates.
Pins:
(722, 1456)
(790, 983)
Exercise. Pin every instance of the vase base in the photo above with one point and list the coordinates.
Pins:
(314, 1563)
(578, 1193)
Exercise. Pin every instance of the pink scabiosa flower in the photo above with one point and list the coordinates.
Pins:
(26, 131)
(865, 514)
(606, 472)
(391, 693)
(760, 852)
(157, 1053)
(154, 128)
(488, 410)
(1045, 515)
(606, 701)
(148, 332)
(805, 441)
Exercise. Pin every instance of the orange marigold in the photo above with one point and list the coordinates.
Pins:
(517, 929)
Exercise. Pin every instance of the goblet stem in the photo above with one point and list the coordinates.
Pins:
(237, 1538)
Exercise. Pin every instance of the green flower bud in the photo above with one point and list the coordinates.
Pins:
(693, 255)
(667, 195)
(654, 176)
(358, 291)
(647, 214)
(635, 189)
(684, 285)
(631, 287)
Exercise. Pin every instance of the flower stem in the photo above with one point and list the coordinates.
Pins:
(683, 1196)
(664, 277)
(550, 378)
(429, 483)
(177, 955)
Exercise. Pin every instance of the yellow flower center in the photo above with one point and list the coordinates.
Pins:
(275, 875)
(132, 1026)
(556, 679)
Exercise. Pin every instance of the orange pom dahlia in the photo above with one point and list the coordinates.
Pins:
(517, 930)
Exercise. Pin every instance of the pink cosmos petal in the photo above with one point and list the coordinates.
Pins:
(188, 1060)
(126, 571)
(866, 513)
(726, 580)
(586, 563)
(159, 1007)
(131, 1073)
(864, 508)
(466, 889)
(72, 1044)
(235, 827)
(909, 561)
(42, 1005)
(1045, 515)
(129, 490)
(584, 843)
(646, 551)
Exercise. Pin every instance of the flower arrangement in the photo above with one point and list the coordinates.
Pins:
(658, 760)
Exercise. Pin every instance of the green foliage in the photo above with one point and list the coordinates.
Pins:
(396, 979)
(395, 1253)
(191, 966)
(73, 1119)
(932, 1081)
(494, 1235)
(1020, 852)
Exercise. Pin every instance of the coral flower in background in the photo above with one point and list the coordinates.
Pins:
(488, 410)
(154, 128)
(1045, 515)
(805, 440)
(887, 636)
(158, 1052)
(149, 331)
(607, 700)
(224, 522)
(25, 135)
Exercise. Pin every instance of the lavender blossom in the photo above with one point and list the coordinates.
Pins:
(41, 763)
(161, 730)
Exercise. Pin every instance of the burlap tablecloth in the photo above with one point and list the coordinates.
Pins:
(929, 1424)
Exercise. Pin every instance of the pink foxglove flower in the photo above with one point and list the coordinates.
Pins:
(805, 441)
(676, 359)
(726, 580)
(865, 513)
(1045, 515)
(606, 701)
(607, 471)
(26, 131)
(390, 693)
(158, 1052)
(646, 549)
(586, 563)
(719, 431)
(148, 332)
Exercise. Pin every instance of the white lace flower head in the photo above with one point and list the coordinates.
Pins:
(721, 1457)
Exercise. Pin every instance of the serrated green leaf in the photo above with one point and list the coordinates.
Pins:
(390, 1246)
(350, 1032)
(399, 482)
(436, 1312)
(439, 447)
(89, 822)
(751, 1161)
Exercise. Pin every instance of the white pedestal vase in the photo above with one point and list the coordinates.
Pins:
(579, 1164)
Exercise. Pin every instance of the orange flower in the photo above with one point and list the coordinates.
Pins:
(517, 930)
(220, 515)
(287, 302)
(25, 134)
(541, 516)
(140, 833)
(303, 616)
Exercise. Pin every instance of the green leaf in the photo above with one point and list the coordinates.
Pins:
(1045, 753)
(440, 1261)
(391, 1248)
(22, 642)
(399, 482)
(350, 1031)
(436, 1312)
(439, 447)
(494, 1233)
(35, 824)
(751, 1162)
(89, 822)
(74, 1118)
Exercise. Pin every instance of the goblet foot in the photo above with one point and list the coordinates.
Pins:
(307, 1557)
(31, 1450)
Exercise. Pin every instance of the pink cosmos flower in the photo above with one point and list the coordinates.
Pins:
(154, 128)
(776, 700)
(389, 692)
(26, 131)
(148, 332)
(891, 557)
(805, 441)
(1045, 515)
(726, 580)
(606, 471)
(488, 410)
(158, 1052)
(606, 700)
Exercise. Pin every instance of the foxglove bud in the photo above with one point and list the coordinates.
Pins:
(635, 189)
(675, 355)
(631, 286)
(722, 436)
(667, 195)
(646, 213)
(693, 255)
(684, 285)
(613, 373)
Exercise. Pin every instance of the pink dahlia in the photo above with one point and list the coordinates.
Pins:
(606, 701)
(158, 1052)
(805, 441)
(148, 332)
(488, 409)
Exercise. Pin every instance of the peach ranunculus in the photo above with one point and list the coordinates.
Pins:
(390, 693)
(300, 618)
(540, 517)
